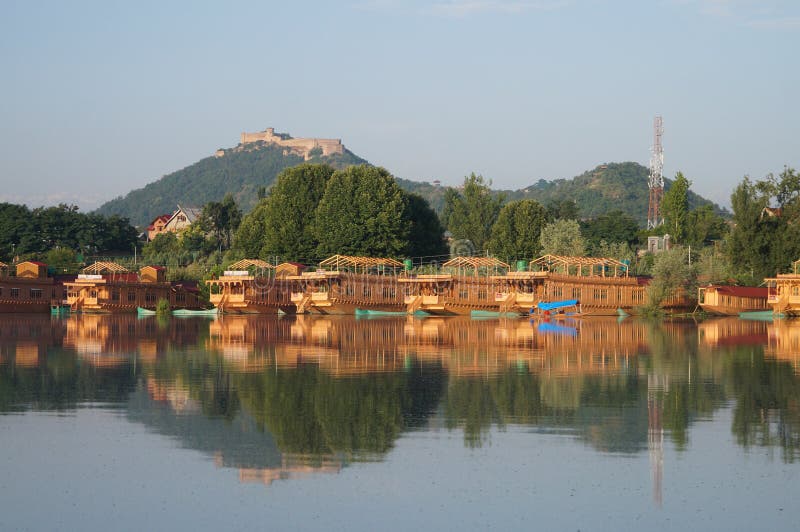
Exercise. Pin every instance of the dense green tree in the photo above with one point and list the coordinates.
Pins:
(471, 213)
(563, 237)
(562, 209)
(516, 233)
(613, 226)
(363, 212)
(426, 234)
(704, 225)
(221, 218)
(62, 260)
(675, 206)
(671, 273)
(282, 223)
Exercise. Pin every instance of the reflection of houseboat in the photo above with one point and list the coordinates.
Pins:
(108, 287)
(252, 286)
(731, 300)
(784, 292)
(731, 331)
(464, 285)
(30, 290)
(600, 285)
(343, 284)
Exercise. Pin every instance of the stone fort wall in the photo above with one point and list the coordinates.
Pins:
(299, 146)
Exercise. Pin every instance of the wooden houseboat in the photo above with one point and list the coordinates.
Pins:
(30, 290)
(783, 294)
(106, 287)
(253, 286)
(731, 300)
(600, 285)
(343, 284)
(463, 285)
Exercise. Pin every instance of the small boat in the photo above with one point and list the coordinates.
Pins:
(366, 313)
(556, 309)
(493, 314)
(145, 311)
(761, 315)
(182, 312)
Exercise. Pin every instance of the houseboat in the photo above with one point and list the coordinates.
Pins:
(253, 286)
(783, 292)
(464, 285)
(601, 286)
(726, 300)
(30, 290)
(107, 287)
(343, 284)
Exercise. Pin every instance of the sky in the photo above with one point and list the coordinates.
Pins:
(99, 98)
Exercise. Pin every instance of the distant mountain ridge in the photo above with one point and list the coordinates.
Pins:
(253, 165)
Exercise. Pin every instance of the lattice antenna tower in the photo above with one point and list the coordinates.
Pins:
(656, 181)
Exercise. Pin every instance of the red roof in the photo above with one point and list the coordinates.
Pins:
(740, 291)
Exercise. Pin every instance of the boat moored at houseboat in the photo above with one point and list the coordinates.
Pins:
(107, 287)
(783, 292)
(343, 284)
(30, 290)
(727, 300)
(463, 286)
(253, 286)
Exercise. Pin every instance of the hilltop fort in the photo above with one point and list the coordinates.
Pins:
(304, 147)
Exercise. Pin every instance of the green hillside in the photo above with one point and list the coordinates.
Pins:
(605, 188)
(241, 172)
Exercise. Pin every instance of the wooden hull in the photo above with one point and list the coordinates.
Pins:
(336, 307)
(729, 310)
(24, 307)
(253, 308)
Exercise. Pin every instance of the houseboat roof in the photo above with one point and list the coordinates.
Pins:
(740, 291)
(548, 262)
(107, 267)
(246, 263)
(347, 261)
(475, 262)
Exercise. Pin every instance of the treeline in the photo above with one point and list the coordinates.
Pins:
(33, 233)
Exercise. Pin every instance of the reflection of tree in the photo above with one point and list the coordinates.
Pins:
(767, 411)
(310, 412)
(62, 384)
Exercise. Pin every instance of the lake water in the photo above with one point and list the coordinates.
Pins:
(254, 423)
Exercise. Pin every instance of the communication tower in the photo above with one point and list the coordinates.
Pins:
(656, 181)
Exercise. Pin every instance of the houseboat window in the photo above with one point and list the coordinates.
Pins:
(558, 291)
(150, 297)
(796, 290)
(131, 295)
(348, 290)
(482, 294)
(93, 293)
(576, 293)
(367, 292)
(388, 291)
(180, 297)
(15, 292)
(463, 293)
(1, 290)
(600, 293)
(115, 295)
(36, 293)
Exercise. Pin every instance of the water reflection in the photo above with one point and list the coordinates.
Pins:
(283, 398)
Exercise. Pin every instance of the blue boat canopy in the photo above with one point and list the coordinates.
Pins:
(555, 305)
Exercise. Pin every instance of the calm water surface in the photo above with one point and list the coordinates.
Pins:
(114, 422)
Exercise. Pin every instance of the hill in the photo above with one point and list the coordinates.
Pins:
(241, 171)
(605, 188)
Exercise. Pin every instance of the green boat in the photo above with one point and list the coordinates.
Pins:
(211, 312)
(761, 315)
(493, 314)
(365, 313)
(145, 311)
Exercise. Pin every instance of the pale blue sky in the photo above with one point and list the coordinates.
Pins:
(102, 97)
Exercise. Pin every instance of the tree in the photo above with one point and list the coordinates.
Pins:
(517, 231)
(703, 224)
(426, 234)
(671, 273)
(62, 260)
(471, 213)
(221, 218)
(282, 223)
(562, 209)
(363, 212)
(613, 226)
(563, 237)
(675, 206)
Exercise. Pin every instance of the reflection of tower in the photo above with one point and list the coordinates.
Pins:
(657, 386)
(656, 181)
